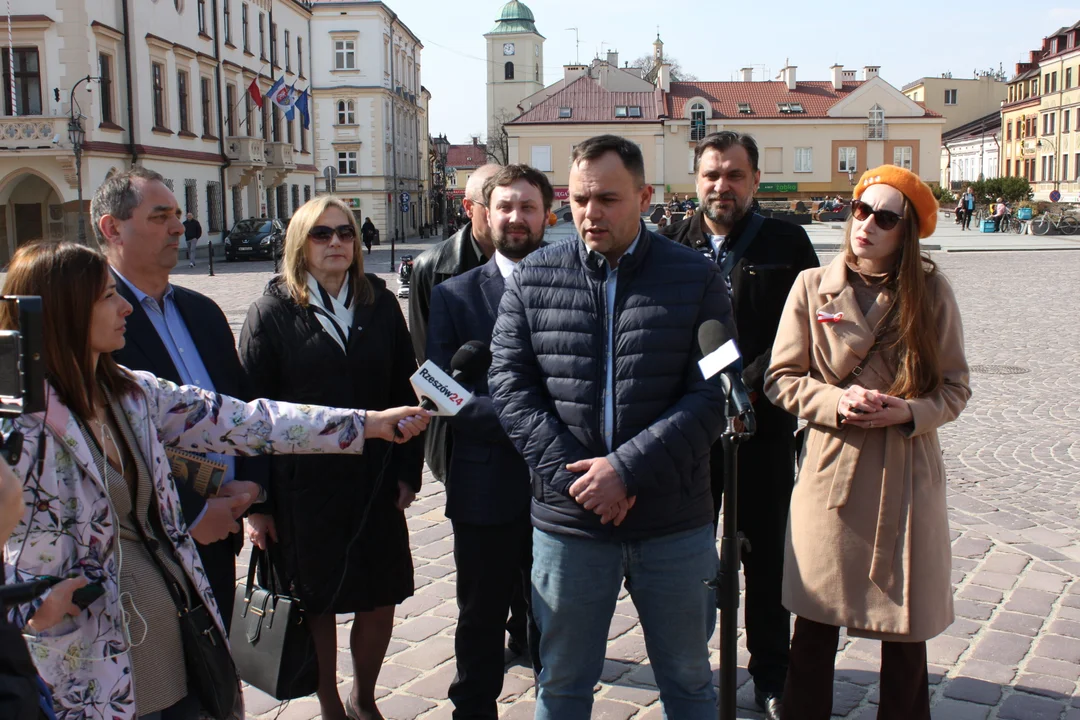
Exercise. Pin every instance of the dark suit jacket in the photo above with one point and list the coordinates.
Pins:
(217, 347)
(487, 481)
(442, 261)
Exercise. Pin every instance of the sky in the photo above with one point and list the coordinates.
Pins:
(925, 39)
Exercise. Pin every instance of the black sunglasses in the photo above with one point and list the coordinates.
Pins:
(325, 233)
(885, 219)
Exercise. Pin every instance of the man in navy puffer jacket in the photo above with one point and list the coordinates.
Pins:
(595, 379)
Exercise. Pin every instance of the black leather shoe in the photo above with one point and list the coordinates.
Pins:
(769, 703)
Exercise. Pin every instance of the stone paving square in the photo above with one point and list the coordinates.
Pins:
(1013, 462)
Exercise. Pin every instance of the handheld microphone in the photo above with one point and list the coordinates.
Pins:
(440, 392)
(720, 352)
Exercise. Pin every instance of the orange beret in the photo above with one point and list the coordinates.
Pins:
(915, 190)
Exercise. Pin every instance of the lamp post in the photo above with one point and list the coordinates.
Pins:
(77, 135)
(1039, 144)
(442, 147)
(420, 199)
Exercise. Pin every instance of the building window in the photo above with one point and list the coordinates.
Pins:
(508, 71)
(1008, 168)
(1064, 167)
(950, 97)
(191, 197)
(230, 102)
(876, 128)
(697, 121)
(288, 57)
(344, 54)
(275, 123)
(213, 205)
(283, 201)
(182, 96)
(307, 193)
(270, 205)
(201, 6)
(158, 72)
(846, 159)
(207, 107)
(27, 82)
(227, 10)
(901, 157)
(1068, 79)
(237, 203)
(105, 75)
(289, 131)
(634, 111)
(273, 45)
(1008, 131)
(244, 27)
(541, 157)
(565, 112)
(620, 111)
(300, 56)
(346, 112)
(1053, 81)
(346, 162)
(1076, 167)
(1065, 121)
(266, 120)
(249, 114)
(804, 159)
(262, 36)
(295, 198)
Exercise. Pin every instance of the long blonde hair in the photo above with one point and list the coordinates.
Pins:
(919, 369)
(294, 264)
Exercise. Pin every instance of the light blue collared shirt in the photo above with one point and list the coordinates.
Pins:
(171, 328)
(609, 356)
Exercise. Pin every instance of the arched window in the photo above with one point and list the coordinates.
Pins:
(509, 70)
(346, 112)
(697, 121)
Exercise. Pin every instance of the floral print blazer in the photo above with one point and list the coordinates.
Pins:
(68, 527)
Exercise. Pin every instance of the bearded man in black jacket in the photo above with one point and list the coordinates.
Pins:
(762, 257)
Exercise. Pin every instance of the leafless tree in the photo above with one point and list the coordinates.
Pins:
(498, 143)
(647, 64)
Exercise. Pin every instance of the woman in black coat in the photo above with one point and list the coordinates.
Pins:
(324, 332)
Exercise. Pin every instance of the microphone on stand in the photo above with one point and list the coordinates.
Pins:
(720, 351)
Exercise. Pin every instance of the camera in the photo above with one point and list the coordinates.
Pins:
(22, 359)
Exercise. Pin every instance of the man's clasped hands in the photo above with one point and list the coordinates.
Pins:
(601, 490)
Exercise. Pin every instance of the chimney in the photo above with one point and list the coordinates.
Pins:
(573, 72)
(870, 71)
(848, 75)
(837, 77)
(663, 77)
(789, 76)
(475, 140)
(613, 58)
(747, 74)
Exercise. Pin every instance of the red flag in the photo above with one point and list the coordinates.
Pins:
(255, 93)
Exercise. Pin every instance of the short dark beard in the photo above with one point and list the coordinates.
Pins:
(516, 250)
(725, 219)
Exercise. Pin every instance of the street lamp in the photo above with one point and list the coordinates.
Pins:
(77, 135)
(851, 176)
(1039, 144)
(442, 147)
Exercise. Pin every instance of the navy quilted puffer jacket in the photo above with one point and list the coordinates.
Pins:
(548, 373)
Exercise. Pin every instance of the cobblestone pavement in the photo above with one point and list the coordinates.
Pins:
(1014, 465)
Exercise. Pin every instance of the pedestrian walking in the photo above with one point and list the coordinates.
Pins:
(192, 233)
(368, 232)
(968, 201)
(870, 352)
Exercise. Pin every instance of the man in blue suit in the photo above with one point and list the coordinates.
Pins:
(487, 486)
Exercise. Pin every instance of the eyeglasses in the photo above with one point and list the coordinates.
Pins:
(885, 219)
(325, 233)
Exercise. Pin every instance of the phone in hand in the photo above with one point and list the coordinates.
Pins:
(84, 596)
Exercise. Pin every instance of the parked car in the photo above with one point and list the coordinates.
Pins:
(255, 237)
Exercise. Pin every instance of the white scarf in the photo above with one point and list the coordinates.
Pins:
(335, 313)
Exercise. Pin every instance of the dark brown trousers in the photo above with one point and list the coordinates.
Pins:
(808, 692)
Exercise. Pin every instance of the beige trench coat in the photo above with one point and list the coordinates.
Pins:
(868, 543)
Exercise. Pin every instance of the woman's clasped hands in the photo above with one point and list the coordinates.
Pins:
(867, 409)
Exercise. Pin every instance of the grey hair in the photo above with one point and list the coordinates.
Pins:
(119, 196)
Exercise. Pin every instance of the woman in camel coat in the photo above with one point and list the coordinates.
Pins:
(870, 353)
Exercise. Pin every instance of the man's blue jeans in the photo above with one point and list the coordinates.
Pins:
(576, 583)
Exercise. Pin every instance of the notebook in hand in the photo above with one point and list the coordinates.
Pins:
(201, 473)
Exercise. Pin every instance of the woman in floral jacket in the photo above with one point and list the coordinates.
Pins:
(100, 446)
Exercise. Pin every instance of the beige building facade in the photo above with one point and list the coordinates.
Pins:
(183, 113)
(959, 101)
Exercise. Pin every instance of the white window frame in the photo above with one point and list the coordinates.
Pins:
(804, 160)
(345, 54)
(902, 156)
(347, 159)
(951, 93)
(542, 160)
(346, 112)
(876, 123)
(847, 158)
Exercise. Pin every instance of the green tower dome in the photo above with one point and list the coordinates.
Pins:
(515, 17)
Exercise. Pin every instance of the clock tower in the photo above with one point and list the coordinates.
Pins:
(515, 68)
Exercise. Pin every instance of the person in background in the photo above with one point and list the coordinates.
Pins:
(968, 201)
(1000, 211)
(368, 231)
(325, 332)
(192, 233)
(184, 337)
(103, 507)
(870, 353)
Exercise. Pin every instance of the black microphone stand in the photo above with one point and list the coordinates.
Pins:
(726, 583)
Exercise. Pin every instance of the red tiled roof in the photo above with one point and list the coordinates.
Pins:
(592, 103)
(466, 156)
(816, 97)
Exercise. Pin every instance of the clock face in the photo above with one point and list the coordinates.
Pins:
(508, 48)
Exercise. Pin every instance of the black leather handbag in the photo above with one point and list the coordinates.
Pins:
(271, 642)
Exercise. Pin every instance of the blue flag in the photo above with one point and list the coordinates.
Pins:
(301, 104)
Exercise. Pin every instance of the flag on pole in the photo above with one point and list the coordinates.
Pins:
(301, 104)
(256, 95)
(282, 95)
